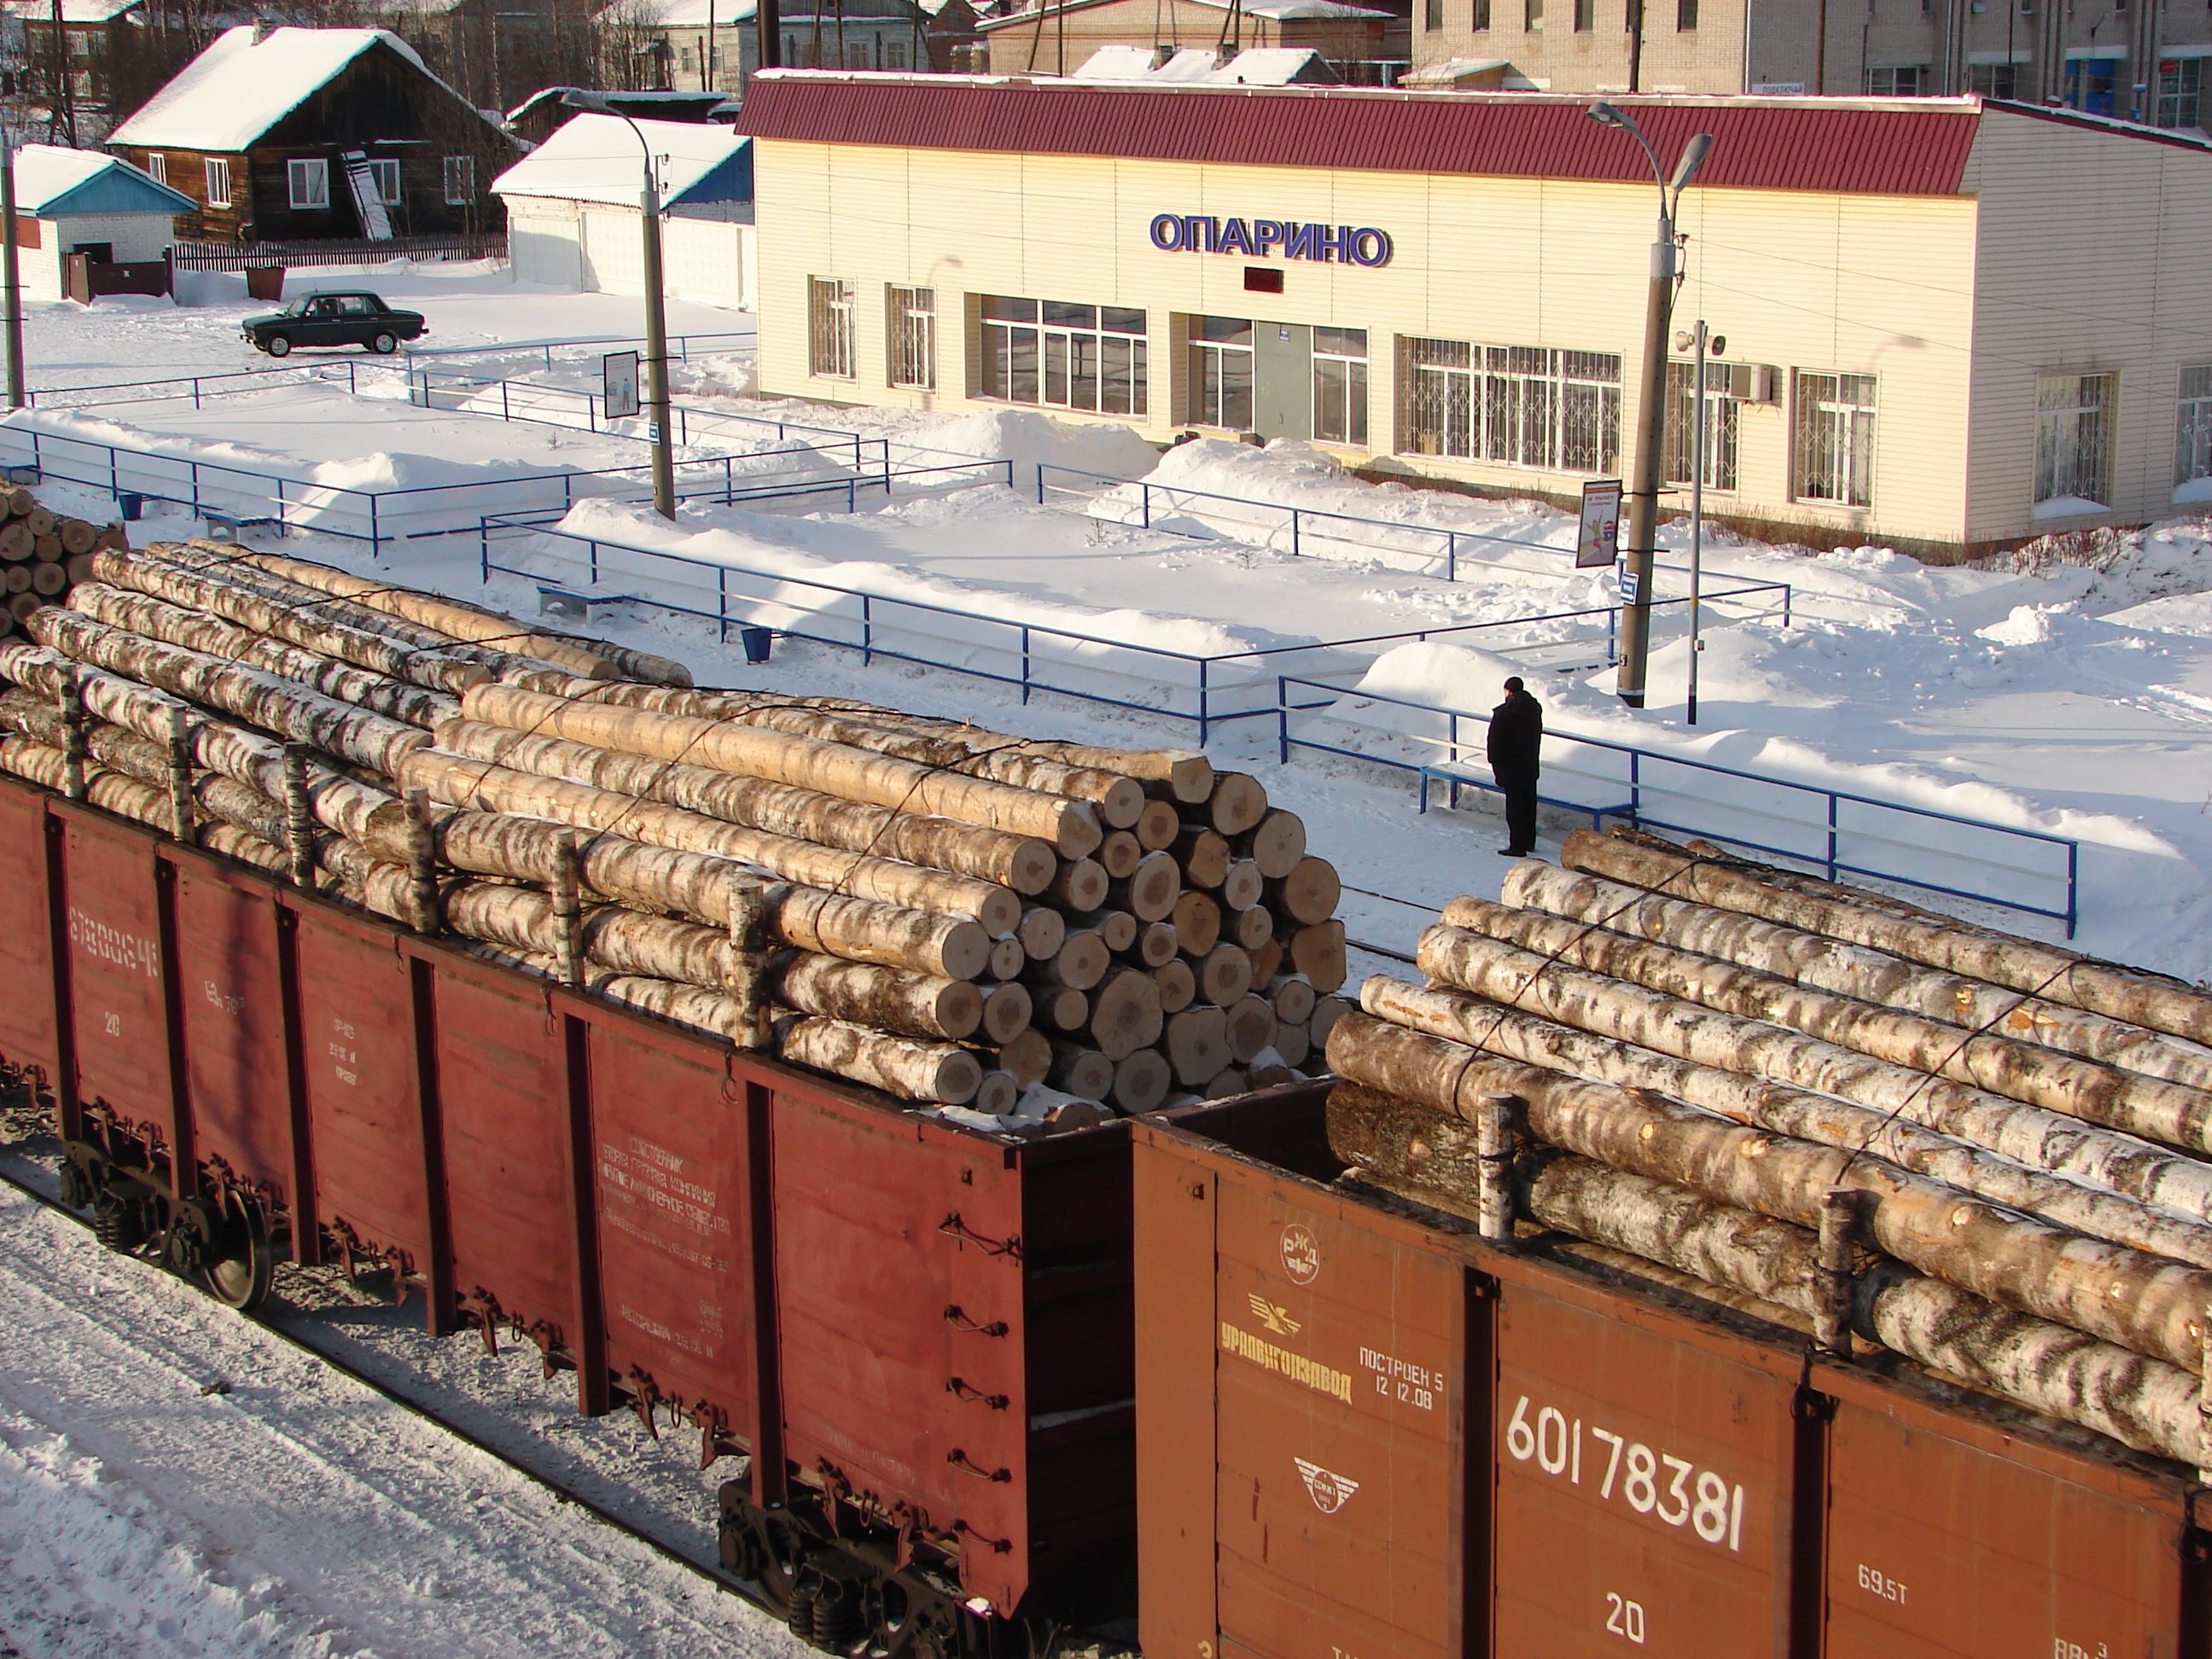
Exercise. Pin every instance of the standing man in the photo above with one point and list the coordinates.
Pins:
(1516, 736)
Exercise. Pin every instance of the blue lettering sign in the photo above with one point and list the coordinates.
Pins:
(1287, 238)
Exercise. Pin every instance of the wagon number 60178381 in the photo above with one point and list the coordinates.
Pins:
(1652, 1483)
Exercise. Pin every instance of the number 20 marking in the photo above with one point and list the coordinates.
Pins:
(1627, 1618)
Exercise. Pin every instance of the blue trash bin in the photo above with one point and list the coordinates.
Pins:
(756, 642)
(130, 506)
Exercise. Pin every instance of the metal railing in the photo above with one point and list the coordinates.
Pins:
(1207, 689)
(244, 256)
(1302, 531)
(681, 347)
(1836, 831)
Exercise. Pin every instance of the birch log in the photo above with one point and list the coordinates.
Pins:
(932, 1072)
(1856, 971)
(244, 607)
(461, 781)
(2170, 1112)
(2115, 1294)
(1071, 826)
(1610, 1008)
(1023, 863)
(259, 698)
(2023, 964)
(1785, 1110)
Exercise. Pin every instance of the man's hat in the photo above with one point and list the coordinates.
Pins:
(1513, 683)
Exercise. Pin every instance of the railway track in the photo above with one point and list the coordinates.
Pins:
(13, 1170)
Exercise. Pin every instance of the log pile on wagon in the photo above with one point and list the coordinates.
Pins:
(1885, 1128)
(1024, 933)
(43, 555)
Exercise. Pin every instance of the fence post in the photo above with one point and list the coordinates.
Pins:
(1025, 662)
(1283, 719)
(114, 473)
(484, 551)
(2073, 871)
(1834, 802)
(196, 393)
(1145, 495)
(852, 495)
(1205, 698)
(375, 527)
(1040, 480)
(721, 605)
(1294, 532)
(867, 631)
(1451, 557)
(1611, 634)
(1635, 786)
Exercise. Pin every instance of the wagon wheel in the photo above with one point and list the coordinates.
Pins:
(770, 1549)
(221, 1243)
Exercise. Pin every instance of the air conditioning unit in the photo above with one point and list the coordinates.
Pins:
(1748, 382)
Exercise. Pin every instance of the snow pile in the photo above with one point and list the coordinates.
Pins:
(1026, 438)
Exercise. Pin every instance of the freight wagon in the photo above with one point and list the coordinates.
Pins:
(919, 1337)
(1366, 1434)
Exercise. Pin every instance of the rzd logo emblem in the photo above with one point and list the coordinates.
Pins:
(1329, 1492)
(1301, 1253)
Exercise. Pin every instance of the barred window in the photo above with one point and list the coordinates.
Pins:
(1834, 457)
(1721, 415)
(1339, 404)
(912, 314)
(1532, 407)
(1064, 354)
(1436, 398)
(2073, 437)
(2192, 439)
(829, 328)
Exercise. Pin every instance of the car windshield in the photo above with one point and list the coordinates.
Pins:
(299, 306)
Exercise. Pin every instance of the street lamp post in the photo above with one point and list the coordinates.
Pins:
(1651, 414)
(11, 275)
(1703, 343)
(656, 315)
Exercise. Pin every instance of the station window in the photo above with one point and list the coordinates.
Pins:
(1994, 80)
(1586, 16)
(1480, 19)
(2073, 437)
(1340, 410)
(2192, 434)
(1533, 406)
(2181, 92)
(1897, 80)
(829, 328)
(913, 333)
(1833, 458)
(1723, 417)
(1064, 354)
(1221, 372)
(218, 182)
(309, 182)
(1533, 17)
(1686, 16)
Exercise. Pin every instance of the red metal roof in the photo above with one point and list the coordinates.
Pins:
(1918, 147)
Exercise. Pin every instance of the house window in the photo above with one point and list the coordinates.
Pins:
(1686, 16)
(1721, 413)
(1432, 14)
(1221, 363)
(829, 328)
(1897, 80)
(1533, 16)
(309, 182)
(2073, 437)
(857, 54)
(1339, 405)
(2181, 92)
(1480, 20)
(1586, 16)
(461, 180)
(1834, 458)
(895, 54)
(385, 175)
(157, 167)
(218, 182)
(1064, 354)
(1436, 398)
(913, 317)
(1994, 80)
(2192, 432)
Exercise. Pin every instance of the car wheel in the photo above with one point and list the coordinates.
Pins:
(383, 344)
(279, 345)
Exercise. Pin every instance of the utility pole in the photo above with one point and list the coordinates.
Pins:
(11, 284)
(1703, 343)
(1649, 454)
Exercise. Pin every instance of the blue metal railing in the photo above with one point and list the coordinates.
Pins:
(1205, 689)
(1840, 833)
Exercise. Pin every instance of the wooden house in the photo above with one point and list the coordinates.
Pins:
(305, 134)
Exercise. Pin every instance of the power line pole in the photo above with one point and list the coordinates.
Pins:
(11, 284)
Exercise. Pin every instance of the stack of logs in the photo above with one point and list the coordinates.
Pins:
(43, 555)
(1023, 932)
(1819, 1106)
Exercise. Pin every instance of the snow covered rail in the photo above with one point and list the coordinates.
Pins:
(1836, 831)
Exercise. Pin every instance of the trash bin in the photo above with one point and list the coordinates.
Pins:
(756, 642)
(265, 282)
(130, 506)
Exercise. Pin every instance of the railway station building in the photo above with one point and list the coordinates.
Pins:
(1949, 323)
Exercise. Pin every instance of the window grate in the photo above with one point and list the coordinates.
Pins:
(829, 328)
(913, 315)
(1834, 451)
(2073, 437)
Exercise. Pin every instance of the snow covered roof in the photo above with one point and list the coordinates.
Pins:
(245, 83)
(693, 14)
(73, 11)
(1261, 66)
(596, 158)
(51, 182)
(1452, 70)
(1275, 11)
(631, 103)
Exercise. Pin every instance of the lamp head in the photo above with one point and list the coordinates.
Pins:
(1693, 157)
(577, 98)
(1684, 339)
(1605, 115)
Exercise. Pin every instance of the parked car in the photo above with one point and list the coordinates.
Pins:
(352, 318)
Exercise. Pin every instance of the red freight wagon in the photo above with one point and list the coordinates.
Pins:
(1365, 1434)
(919, 1336)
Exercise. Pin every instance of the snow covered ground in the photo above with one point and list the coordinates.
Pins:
(2069, 690)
